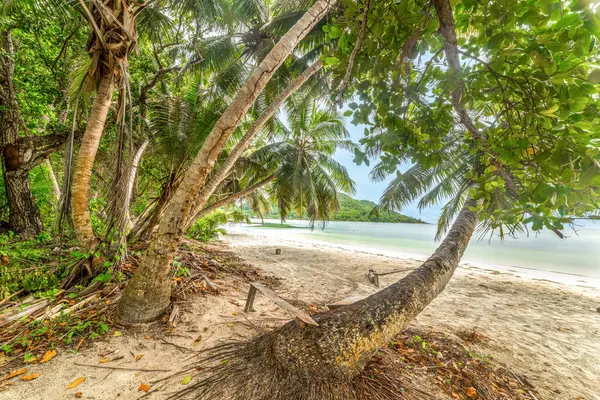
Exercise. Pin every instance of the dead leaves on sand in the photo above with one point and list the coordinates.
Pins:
(76, 382)
(49, 355)
(14, 373)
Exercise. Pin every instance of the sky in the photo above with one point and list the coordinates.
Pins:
(369, 190)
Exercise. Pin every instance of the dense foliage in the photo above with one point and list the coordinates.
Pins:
(356, 211)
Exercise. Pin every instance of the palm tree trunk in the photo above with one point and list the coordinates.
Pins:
(80, 193)
(230, 199)
(146, 297)
(131, 179)
(24, 214)
(235, 154)
(53, 180)
(319, 362)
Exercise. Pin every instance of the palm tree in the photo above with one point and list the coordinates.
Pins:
(304, 177)
(146, 296)
(307, 177)
(113, 36)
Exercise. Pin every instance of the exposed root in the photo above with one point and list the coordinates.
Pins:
(418, 366)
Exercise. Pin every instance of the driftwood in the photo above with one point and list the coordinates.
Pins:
(75, 307)
(173, 316)
(254, 286)
(5, 319)
(10, 297)
(374, 276)
(121, 368)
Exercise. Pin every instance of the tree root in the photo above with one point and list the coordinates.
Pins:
(241, 371)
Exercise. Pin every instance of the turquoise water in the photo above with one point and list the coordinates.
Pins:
(578, 254)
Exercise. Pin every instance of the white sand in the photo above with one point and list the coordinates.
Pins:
(543, 329)
(547, 331)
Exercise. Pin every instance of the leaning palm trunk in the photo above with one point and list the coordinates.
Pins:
(304, 362)
(80, 196)
(235, 154)
(146, 297)
(212, 207)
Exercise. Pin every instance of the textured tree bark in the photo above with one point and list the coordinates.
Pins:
(230, 199)
(217, 177)
(24, 215)
(321, 362)
(146, 297)
(347, 338)
(80, 192)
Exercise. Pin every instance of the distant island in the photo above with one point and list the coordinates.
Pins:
(353, 210)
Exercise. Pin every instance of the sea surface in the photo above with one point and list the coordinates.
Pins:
(578, 254)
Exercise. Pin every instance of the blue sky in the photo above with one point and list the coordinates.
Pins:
(369, 190)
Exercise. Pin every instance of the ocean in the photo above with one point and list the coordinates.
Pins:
(578, 254)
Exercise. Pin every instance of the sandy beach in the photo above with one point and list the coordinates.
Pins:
(545, 331)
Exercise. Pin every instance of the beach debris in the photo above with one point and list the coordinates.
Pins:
(174, 315)
(49, 355)
(277, 251)
(144, 387)
(76, 382)
(14, 373)
(30, 377)
(299, 314)
(186, 379)
(374, 276)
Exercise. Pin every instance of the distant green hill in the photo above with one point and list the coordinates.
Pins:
(358, 211)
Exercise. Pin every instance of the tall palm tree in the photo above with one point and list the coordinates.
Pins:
(146, 296)
(113, 36)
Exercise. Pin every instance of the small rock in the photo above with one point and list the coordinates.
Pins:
(598, 309)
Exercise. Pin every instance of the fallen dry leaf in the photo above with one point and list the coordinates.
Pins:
(30, 377)
(139, 357)
(186, 380)
(472, 393)
(117, 333)
(78, 395)
(76, 382)
(103, 361)
(144, 387)
(49, 355)
(15, 373)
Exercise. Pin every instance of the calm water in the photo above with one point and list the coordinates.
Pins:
(578, 254)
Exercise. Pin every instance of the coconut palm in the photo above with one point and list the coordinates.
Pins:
(113, 36)
(307, 178)
(146, 297)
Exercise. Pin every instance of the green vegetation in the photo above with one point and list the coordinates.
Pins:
(356, 211)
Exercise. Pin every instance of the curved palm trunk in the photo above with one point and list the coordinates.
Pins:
(230, 199)
(319, 362)
(235, 154)
(146, 297)
(80, 192)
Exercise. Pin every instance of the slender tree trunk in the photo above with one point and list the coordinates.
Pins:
(237, 151)
(24, 214)
(230, 199)
(53, 180)
(146, 297)
(80, 194)
(320, 362)
(132, 175)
